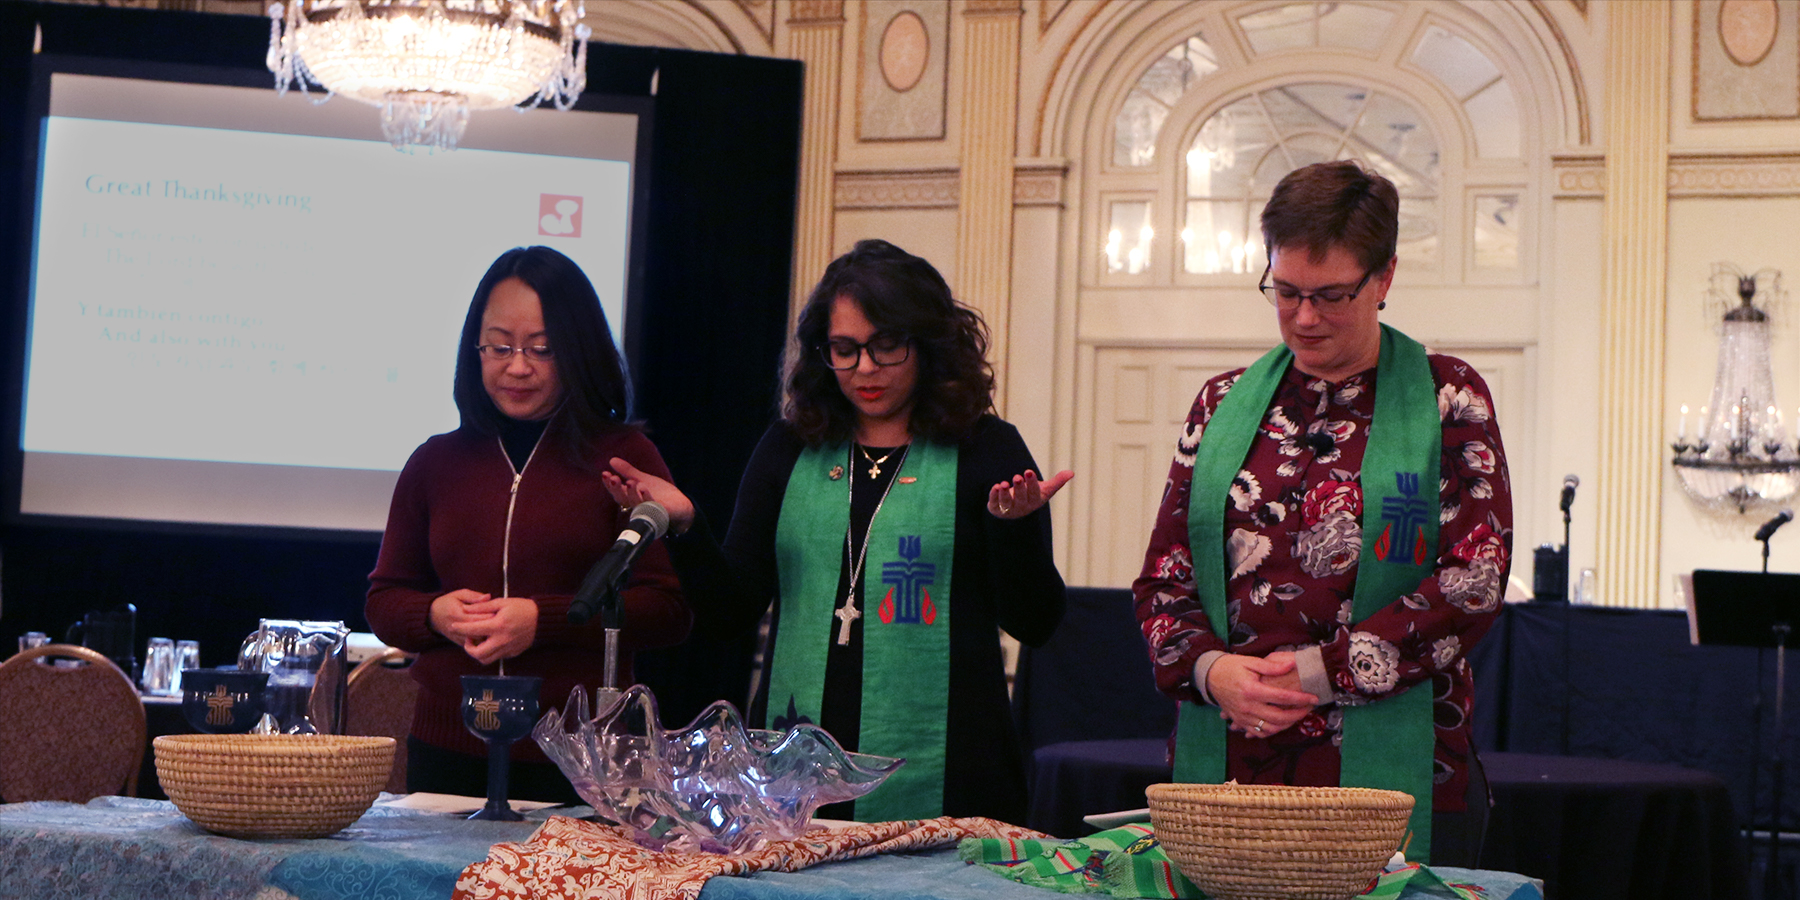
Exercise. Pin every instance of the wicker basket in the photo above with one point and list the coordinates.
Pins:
(1263, 842)
(273, 785)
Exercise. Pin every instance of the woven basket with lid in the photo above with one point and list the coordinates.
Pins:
(273, 785)
(1268, 842)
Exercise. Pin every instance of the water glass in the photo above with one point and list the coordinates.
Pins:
(32, 639)
(187, 656)
(1586, 587)
(159, 666)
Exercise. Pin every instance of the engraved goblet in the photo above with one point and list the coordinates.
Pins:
(222, 701)
(499, 709)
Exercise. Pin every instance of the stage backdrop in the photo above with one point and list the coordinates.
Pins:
(714, 282)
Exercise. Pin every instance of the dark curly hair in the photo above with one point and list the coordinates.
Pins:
(596, 391)
(900, 294)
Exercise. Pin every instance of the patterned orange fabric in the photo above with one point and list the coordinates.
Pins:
(569, 858)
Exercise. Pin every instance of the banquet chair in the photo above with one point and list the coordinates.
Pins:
(68, 731)
(1092, 679)
(378, 701)
(1094, 726)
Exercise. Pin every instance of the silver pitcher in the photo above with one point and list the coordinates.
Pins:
(307, 668)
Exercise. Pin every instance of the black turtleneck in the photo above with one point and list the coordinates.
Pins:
(520, 437)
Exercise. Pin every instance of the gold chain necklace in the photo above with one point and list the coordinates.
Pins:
(848, 612)
(874, 464)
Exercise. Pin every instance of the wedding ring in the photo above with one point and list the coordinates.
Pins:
(1004, 508)
(1259, 725)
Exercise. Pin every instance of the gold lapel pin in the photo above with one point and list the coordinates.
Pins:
(836, 472)
(907, 479)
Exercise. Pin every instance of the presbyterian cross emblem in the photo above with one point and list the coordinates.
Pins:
(907, 601)
(487, 712)
(218, 706)
(1403, 537)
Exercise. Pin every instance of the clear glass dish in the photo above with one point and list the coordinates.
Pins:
(713, 786)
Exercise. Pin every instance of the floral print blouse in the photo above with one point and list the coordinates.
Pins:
(1293, 539)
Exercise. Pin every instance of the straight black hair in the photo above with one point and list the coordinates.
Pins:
(596, 389)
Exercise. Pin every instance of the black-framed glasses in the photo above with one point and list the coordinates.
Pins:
(1288, 298)
(883, 350)
(504, 352)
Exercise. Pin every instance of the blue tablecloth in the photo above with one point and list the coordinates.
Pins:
(125, 848)
(128, 848)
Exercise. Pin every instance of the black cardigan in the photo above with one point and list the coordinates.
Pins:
(1004, 577)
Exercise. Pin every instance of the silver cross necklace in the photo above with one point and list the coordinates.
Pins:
(848, 612)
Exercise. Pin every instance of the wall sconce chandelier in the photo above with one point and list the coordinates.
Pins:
(426, 63)
(1741, 457)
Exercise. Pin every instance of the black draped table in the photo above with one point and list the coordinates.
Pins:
(1628, 684)
(1602, 828)
(1590, 828)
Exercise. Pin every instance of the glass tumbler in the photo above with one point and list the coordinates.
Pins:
(1586, 587)
(159, 666)
(187, 656)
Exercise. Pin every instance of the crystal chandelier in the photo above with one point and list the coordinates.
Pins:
(427, 63)
(1741, 457)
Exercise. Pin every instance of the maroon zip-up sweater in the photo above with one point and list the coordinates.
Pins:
(447, 529)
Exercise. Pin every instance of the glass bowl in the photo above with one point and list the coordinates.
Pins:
(713, 786)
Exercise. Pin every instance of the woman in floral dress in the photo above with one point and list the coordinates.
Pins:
(1280, 484)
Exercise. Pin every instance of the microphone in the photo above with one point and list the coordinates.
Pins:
(1319, 441)
(1568, 494)
(649, 520)
(1768, 529)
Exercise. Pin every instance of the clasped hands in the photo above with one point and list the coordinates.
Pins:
(1259, 696)
(488, 628)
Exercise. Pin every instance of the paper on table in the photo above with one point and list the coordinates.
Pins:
(453, 803)
(1103, 821)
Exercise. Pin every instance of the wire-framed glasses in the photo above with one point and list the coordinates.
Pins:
(504, 352)
(1288, 298)
(883, 350)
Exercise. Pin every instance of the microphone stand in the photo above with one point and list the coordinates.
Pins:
(1756, 719)
(1772, 879)
(1779, 631)
(1568, 600)
(612, 618)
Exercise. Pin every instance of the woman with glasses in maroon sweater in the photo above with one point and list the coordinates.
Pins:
(493, 525)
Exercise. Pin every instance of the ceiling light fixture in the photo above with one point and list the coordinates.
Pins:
(427, 63)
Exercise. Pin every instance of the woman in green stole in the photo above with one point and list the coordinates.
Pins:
(1335, 536)
(897, 525)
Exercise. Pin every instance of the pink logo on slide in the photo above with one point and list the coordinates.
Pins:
(559, 215)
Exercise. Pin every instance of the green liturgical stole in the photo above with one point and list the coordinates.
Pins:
(906, 633)
(1389, 743)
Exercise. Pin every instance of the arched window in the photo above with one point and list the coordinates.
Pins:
(1243, 150)
(1438, 93)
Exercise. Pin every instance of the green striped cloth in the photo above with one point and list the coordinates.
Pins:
(1125, 862)
(1128, 862)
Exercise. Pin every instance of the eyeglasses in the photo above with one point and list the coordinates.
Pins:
(504, 352)
(843, 353)
(1327, 300)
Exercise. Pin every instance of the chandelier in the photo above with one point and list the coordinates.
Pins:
(1741, 456)
(426, 63)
